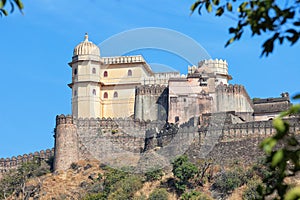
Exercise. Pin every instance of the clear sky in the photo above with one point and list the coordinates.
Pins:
(36, 47)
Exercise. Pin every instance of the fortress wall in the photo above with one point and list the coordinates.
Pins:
(185, 107)
(151, 102)
(106, 138)
(7, 164)
(232, 98)
(66, 143)
(221, 143)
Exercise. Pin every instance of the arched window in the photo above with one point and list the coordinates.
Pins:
(105, 95)
(94, 92)
(94, 70)
(105, 74)
(75, 71)
(129, 73)
(115, 94)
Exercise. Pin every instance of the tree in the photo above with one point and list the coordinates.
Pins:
(283, 157)
(184, 170)
(13, 3)
(278, 20)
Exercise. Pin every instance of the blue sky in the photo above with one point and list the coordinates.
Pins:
(36, 47)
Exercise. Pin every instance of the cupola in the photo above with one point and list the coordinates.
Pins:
(86, 48)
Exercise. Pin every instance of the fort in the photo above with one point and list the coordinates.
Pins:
(123, 109)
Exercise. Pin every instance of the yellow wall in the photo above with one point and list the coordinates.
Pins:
(119, 81)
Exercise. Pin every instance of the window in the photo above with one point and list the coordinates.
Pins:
(129, 73)
(75, 92)
(105, 95)
(115, 95)
(75, 71)
(94, 70)
(105, 74)
(94, 92)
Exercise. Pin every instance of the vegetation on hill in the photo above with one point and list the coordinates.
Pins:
(89, 180)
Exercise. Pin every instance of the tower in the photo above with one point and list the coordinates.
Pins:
(85, 84)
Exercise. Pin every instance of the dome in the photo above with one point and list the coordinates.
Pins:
(86, 48)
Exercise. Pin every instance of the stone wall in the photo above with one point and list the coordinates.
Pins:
(66, 142)
(112, 140)
(151, 102)
(7, 164)
(233, 98)
(219, 142)
(103, 139)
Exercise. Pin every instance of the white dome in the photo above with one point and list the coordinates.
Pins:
(86, 48)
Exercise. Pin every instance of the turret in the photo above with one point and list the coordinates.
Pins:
(218, 67)
(66, 143)
(85, 84)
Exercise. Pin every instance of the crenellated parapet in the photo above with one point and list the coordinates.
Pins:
(150, 89)
(233, 89)
(114, 123)
(123, 59)
(11, 163)
(64, 119)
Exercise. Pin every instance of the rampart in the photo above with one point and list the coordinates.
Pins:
(218, 142)
(7, 164)
(102, 138)
(151, 102)
(234, 89)
(234, 98)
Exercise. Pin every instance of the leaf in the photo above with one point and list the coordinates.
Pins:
(268, 144)
(279, 125)
(208, 7)
(295, 109)
(1, 4)
(19, 4)
(220, 11)
(4, 11)
(216, 2)
(277, 157)
(194, 6)
(231, 40)
(268, 47)
(232, 30)
(229, 6)
(293, 194)
(12, 7)
(297, 23)
(297, 96)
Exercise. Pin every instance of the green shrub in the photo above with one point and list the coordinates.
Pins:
(125, 188)
(184, 171)
(13, 180)
(112, 176)
(154, 174)
(252, 190)
(229, 180)
(99, 196)
(159, 194)
(194, 195)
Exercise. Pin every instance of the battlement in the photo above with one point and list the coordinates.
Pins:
(218, 63)
(150, 89)
(233, 89)
(16, 161)
(64, 119)
(123, 59)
